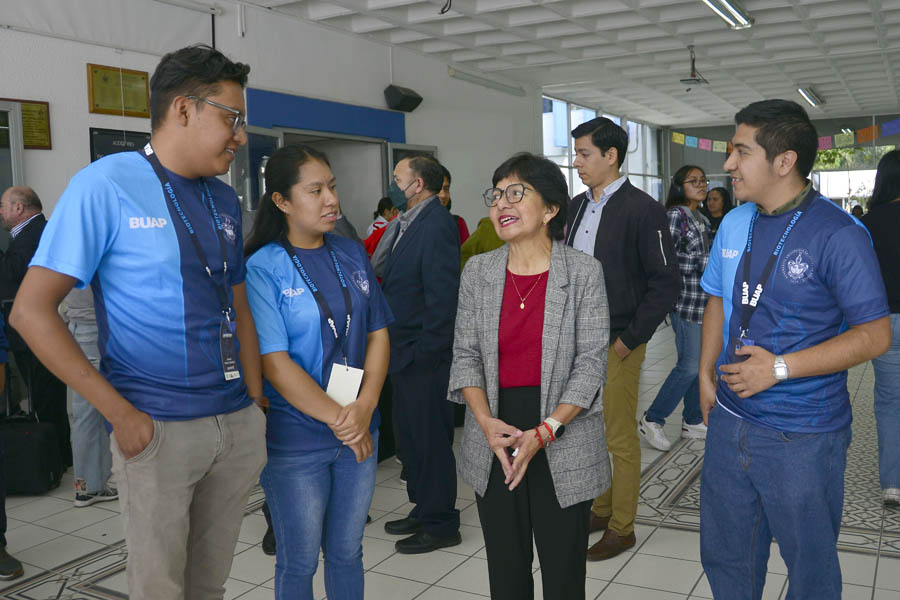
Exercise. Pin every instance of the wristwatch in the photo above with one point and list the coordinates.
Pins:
(780, 369)
(558, 428)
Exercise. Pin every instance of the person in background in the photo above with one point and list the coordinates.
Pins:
(10, 567)
(857, 211)
(483, 239)
(444, 197)
(384, 214)
(90, 440)
(322, 324)
(344, 228)
(691, 234)
(718, 203)
(533, 446)
(883, 222)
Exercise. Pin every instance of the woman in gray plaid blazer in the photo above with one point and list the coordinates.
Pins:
(529, 360)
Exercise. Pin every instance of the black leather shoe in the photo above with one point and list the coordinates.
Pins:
(268, 543)
(422, 542)
(403, 526)
(10, 568)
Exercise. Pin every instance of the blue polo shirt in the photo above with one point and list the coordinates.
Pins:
(825, 280)
(288, 319)
(158, 314)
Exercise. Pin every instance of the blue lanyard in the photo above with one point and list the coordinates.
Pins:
(320, 297)
(748, 302)
(169, 193)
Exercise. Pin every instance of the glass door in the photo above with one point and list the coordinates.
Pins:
(11, 145)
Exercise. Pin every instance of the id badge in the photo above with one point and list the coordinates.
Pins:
(737, 344)
(343, 386)
(228, 350)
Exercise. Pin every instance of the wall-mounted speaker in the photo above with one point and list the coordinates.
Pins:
(401, 98)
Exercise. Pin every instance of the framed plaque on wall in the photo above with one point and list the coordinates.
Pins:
(116, 91)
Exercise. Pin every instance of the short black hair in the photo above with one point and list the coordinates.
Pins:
(782, 125)
(546, 177)
(605, 134)
(429, 170)
(887, 180)
(446, 173)
(192, 71)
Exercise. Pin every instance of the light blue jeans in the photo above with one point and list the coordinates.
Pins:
(90, 440)
(682, 382)
(887, 408)
(319, 499)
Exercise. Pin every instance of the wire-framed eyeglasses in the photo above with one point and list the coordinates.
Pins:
(237, 121)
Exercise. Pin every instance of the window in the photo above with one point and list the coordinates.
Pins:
(643, 163)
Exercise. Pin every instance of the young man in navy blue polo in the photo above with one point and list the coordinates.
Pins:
(158, 238)
(796, 298)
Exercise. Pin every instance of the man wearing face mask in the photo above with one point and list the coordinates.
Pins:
(421, 282)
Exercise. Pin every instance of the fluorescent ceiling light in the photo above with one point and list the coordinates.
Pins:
(810, 96)
(490, 83)
(730, 12)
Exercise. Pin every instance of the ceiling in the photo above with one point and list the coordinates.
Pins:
(627, 56)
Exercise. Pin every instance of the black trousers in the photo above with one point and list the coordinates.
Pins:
(48, 398)
(510, 519)
(425, 428)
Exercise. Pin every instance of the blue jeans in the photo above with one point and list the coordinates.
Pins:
(319, 499)
(90, 440)
(887, 408)
(758, 483)
(682, 381)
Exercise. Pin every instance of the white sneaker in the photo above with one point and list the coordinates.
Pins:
(892, 497)
(653, 433)
(695, 432)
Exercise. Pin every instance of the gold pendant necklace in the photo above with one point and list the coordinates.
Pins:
(521, 298)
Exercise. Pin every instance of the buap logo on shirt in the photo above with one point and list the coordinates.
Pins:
(797, 266)
(291, 292)
(146, 222)
(729, 254)
(361, 281)
(229, 228)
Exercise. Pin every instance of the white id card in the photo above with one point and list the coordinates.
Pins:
(343, 386)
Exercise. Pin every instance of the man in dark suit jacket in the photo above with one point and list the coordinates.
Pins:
(421, 284)
(20, 212)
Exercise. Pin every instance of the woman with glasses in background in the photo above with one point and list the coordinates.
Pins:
(529, 359)
(692, 236)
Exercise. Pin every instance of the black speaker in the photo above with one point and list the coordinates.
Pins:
(401, 98)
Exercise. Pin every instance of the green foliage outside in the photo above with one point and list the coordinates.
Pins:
(850, 159)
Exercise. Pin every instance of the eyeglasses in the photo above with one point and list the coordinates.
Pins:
(697, 182)
(514, 193)
(237, 121)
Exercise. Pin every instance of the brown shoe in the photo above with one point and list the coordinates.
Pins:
(611, 544)
(598, 523)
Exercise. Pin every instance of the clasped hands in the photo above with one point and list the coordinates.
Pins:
(352, 428)
(513, 447)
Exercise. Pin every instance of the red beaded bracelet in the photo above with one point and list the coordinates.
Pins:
(537, 434)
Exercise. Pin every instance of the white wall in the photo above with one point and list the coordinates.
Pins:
(474, 127)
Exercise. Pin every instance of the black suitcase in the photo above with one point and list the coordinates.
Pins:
(33, 465)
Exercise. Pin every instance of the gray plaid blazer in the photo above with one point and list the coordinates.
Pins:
(574, 350)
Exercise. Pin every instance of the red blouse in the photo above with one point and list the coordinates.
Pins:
(521, 329)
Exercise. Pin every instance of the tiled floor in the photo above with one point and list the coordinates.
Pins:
(78, 553)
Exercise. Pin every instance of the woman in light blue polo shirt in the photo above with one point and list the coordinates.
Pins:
(322, 324)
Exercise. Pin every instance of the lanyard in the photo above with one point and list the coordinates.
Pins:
(320, 297)
(748, 303)
(169, 193)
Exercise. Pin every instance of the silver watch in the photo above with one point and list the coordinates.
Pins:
(780, 369)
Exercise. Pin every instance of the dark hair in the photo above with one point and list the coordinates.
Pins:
(676, 195)
(782, 125)
(887, 180)
(282, 173)
(193, 71)
(25, 196)
(605, 134)
(447, 174)
(546, 177)
(383, 205)
(727, 204)
(429, 170)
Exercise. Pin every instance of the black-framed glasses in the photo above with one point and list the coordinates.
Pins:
(701, 182)
(237, 121)
(514, 193)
